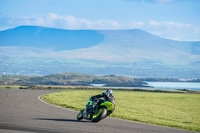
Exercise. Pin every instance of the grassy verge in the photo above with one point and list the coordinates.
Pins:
(10, 86)
(62, 88)
(177, 110)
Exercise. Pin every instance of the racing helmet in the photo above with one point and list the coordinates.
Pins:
(109, 91)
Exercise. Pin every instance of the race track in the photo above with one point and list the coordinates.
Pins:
(22, 112)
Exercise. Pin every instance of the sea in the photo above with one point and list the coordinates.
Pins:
(175, 85)
(195, 86)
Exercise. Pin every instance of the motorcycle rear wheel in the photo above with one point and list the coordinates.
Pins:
(101, 114)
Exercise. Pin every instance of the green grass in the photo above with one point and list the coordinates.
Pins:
(9, 86)
(165, 109)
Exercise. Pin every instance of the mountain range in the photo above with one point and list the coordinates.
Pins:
(35, 50)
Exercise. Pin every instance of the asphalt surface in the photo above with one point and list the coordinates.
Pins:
(22, 112)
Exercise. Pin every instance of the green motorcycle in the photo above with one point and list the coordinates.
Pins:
(95, 110)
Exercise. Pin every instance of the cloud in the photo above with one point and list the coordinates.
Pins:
(151, 1)
(56, 21)
(159, 1)
(174, 30)
(166, 29)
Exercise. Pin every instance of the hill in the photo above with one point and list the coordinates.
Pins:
(34, 50)
(72, 79)
(49, 38)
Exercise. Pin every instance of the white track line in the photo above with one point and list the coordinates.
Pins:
(39, 98)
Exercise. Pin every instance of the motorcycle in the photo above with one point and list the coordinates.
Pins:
(95, 110)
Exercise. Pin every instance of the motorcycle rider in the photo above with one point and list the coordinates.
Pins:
(108, 96)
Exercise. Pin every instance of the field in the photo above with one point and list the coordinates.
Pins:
(10, 86)
(178, 110)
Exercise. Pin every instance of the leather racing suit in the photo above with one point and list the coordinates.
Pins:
(107, 97)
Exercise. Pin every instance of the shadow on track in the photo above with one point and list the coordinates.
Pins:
(20, 128)
(68, 120)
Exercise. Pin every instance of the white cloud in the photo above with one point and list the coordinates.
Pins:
(168, 24)
(135, 25)
(160, 1)
(63, 22)
(166, 29)
(164, 1)
(152, 1)
(174, 30)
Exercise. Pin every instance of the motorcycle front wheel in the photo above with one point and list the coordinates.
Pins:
(80, 115)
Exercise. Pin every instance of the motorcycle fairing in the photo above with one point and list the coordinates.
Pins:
(108, 105)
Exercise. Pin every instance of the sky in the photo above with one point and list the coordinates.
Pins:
(171, 19)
